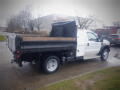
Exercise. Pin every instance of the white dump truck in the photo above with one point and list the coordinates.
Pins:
(65, 43)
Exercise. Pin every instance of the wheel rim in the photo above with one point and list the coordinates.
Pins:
(52, 65)
(105, 54)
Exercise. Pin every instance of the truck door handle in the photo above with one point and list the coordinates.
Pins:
(88, 44)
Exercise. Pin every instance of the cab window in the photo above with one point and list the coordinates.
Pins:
(92, 36)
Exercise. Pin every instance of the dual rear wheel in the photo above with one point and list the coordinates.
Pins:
(50, 64)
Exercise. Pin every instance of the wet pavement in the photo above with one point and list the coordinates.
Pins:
(28, 77)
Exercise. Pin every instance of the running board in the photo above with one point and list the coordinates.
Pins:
(91, 57)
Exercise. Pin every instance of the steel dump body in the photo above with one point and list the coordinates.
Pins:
(42, 44)
(62, 37)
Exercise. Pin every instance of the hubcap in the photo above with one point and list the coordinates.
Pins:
(105, 55)
(52, 65)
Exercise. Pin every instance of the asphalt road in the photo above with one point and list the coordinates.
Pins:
(28, 77)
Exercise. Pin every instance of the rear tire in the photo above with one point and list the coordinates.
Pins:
(50, 64)
(104, 54)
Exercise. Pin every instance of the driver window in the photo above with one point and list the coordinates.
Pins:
(91, 36)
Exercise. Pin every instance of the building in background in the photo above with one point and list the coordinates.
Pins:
(2, 29)
(108, 30)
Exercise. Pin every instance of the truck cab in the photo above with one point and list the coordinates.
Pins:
(89, 44)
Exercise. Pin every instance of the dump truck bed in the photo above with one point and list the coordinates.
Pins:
(62, 37)
(42, 44)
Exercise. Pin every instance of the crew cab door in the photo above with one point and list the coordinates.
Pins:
(93, 46)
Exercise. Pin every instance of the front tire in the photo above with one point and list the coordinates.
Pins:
(50, 64)
(104, 54)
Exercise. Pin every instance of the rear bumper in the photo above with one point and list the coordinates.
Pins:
(17, 60)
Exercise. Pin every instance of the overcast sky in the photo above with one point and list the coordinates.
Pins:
(106, 11)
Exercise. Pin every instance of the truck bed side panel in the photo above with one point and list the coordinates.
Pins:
(41, 44)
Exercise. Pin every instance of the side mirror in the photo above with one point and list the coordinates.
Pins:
(98, 40)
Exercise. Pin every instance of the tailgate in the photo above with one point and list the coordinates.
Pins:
(11, 42)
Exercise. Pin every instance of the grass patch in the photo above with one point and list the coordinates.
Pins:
(107, 79)
(2, 38)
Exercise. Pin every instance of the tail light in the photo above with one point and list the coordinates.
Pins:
(18, 54)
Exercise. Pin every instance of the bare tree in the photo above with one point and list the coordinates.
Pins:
(38, 23)
(31, 25)
(24, 18)
(13, 24)
(22, 21)
(85, 23)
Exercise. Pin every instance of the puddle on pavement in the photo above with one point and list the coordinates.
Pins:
(117, 55)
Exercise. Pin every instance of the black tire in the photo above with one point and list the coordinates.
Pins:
(55, 63)
(104, 54)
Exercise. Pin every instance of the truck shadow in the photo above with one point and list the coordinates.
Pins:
(68, 65)
(30, 74)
